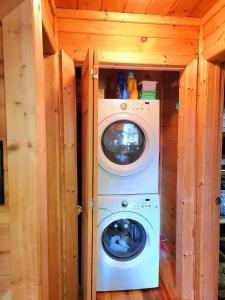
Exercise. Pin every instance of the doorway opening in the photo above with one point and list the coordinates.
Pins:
(168, 95)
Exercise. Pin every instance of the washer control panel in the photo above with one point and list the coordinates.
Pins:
(137, 205)
(135, 106)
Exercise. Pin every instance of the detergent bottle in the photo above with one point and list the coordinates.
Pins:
(122, 86)
(132, 86)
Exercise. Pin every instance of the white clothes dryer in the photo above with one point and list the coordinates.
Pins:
(128, 151)
(128, 242)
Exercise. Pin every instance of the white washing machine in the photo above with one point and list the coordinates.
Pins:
(128, 242)
(128, 138)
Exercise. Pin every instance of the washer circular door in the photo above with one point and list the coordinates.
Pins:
(126, 144)
(124, 237)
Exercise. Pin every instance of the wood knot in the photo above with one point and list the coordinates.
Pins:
(144, 39)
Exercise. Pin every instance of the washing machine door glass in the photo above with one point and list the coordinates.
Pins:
(123, 142)
(124, 239)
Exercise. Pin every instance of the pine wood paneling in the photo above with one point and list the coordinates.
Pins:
(186, 184)
(7, 6)
(69, 177)
(5, 271)
(53, 175)
(214, 33)
(49, 28)
(169, 140)
(128, 41)
(89, 4)
(129, 18)
(5, 288)
(196, 8)
(163, 9)
(87, 175)
(128, 29)
(183, 8)
(130, 50)
(209, 133)
(66, 4)
(25, 108)
(140, 7)
(115, 5)
(202, 8)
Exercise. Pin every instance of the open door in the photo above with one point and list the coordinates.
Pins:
(68, 177)
(89, 173)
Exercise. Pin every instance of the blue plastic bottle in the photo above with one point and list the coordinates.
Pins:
(123, 86)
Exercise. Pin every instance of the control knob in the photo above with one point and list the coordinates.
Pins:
(124, 203)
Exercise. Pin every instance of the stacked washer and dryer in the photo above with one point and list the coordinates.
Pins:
(128, 201)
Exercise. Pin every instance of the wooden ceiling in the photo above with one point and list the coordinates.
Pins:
(188, 8)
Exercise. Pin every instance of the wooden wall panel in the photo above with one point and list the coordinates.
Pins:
(68, 159)
(186, 183)
(7, 6)
(49, 26)
(51, 85)
(128, 42)
(214, 33)
(23, 66)
(169, 140)
(5, 272)
(196, 8)
(209, 130)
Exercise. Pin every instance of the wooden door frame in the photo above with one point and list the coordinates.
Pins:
(185, 252)
(194, 259)
(208, 177)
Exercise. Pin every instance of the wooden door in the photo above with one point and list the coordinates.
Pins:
(69, 177)
(89, 174)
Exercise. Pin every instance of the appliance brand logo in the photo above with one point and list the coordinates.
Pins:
(123, 106)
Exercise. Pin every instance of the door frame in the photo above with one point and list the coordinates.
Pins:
(208, 176)
(185, 252)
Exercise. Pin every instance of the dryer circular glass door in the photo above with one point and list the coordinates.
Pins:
(126, 144)
(124, 239)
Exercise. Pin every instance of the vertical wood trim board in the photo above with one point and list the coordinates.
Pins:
(95, 171)
(186, 186)
(5, 272)
(25, 107)
(87, 175)
(51, 83)
(209, 121)
(69, 178)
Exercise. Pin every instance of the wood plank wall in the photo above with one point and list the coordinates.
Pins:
(169, 140)
(49, 26)
(5, 272)
(26, 140)
(123, 38)
(51, 85)
(214, 32)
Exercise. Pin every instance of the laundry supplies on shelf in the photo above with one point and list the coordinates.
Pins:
(147, 90)
(132, 86)
(122, 92)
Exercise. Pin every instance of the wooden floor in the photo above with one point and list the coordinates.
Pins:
(166, 290)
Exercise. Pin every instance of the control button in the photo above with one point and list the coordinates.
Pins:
(124, 203)
(123, 106)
